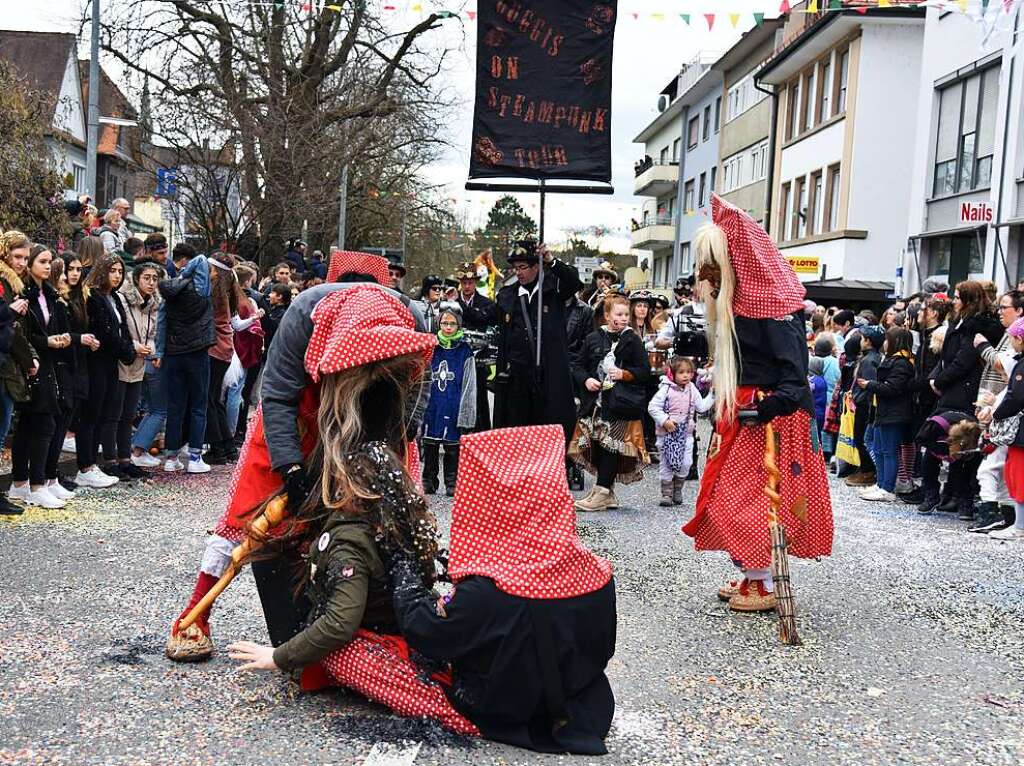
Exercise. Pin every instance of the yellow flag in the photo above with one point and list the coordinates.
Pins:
(416, 8)
(963, 5)
(658, 16)
(884, 3)
(812, 7)
(734, 19)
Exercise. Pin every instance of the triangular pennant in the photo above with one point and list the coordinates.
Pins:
(784, 6)
(758, 19)
(1007, 4)
(984, 7)
(472, 15)
(710, 19)
(962, 5)
(812, 7)
(861, 9)
(416, 8)
(635, 16)
(835, 5)
(884, 3)
(686, 18)
(658, 16)
(734, 19)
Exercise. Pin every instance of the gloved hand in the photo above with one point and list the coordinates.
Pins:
(768, 409)
(297, 485)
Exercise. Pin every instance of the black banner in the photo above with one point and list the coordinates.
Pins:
(543, 89)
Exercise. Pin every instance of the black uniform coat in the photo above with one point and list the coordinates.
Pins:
(528, 396)
(519, 665)
(958, 372)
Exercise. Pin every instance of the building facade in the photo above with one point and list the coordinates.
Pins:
(743, 145)
(847, 85)
(679, 169)
(966, 203)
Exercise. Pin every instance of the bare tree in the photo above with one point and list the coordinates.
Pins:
(299, 92)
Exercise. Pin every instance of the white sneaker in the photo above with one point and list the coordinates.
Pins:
(69, 444)
(43, 499)
(173, 465)
(19, 493)
(864, 491)
(145, 460)
(198, 466)
(1010, 533)
(879, 495)
(58, 491)
(95, 478)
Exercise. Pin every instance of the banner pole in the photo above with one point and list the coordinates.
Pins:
(540, 273)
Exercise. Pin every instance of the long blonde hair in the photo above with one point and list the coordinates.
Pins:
(12, 240)
(712, 248)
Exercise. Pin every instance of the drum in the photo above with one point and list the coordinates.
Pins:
(657, 359)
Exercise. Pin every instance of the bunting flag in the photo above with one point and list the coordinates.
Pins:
(734, 19)
(963, 5)
(812, 7)
(758, 19)
(710, 19)
(686, 18)
(784, 8)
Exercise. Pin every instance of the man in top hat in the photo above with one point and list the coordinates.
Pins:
(532, 394)
(479, 314)
(396, 273)
(601, 282)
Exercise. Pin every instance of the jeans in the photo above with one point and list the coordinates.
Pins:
(886, 451)
(31, 446)
(97, 419)
(128, 397)
(6, 413)
(155, 418)
(186, 380)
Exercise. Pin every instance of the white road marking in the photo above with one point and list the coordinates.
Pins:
(384, 754)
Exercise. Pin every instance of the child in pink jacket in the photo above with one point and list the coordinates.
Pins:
(674, 409)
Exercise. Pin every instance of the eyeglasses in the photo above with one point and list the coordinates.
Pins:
(1005, 306)
(523, 266)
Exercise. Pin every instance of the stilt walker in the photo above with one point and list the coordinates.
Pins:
(765, 479)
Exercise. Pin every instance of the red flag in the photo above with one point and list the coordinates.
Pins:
(711, 20)
(784, 8)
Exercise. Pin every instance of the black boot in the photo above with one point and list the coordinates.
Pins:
(987, 517)
(913, 497)
(574, 476)
(7, 508)
(451, 468)
(930, 501)
(965, 509)
(431, 458)
(949, 505)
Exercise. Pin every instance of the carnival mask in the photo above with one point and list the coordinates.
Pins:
(712, 274)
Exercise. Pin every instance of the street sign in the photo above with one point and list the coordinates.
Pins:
(166, 182)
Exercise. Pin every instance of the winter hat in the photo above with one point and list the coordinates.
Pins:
(816, 366)
(1016, 330)
(513, 519)
(349, 261)
(875, 335)
(823, 346)
(359, 325)
(766, 285)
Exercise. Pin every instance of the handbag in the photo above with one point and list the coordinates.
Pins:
(1003, 432)
(624, 401)
(846, 445)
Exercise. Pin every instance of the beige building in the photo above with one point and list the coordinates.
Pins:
(744, 168)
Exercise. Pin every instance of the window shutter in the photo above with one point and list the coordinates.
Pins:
(971, 106)
(949, 123)
(989, 105)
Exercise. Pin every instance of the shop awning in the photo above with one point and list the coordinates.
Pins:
(950, 232)
(849, 291)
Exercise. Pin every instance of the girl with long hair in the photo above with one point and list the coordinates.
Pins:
(46, 330)
(90, 251)
(97, 422)
(226, 296)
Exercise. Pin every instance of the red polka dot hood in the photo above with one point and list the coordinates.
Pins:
(513, 519)
(766, 285)
(360, 325)
(345, 261)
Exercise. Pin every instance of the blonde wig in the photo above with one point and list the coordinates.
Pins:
(712, 250)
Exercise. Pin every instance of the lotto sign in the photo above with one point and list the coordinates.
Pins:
(804, 264)
(975, 212)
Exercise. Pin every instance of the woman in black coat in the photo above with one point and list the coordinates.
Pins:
(97, 422)
(609, 438)
(47, 331)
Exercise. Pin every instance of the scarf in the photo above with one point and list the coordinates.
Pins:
(447, 341)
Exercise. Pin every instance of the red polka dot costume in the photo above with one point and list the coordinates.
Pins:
(732, 509)
(348, 261)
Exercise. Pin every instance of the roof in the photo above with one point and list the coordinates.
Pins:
(705, 83)
(113, 103)
(39, 57)
(748, 43)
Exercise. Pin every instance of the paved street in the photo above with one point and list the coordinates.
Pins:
(913, 633)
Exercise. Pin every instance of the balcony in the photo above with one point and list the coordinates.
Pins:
(655, 232)
(655, 178)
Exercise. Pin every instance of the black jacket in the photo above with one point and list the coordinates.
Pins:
(521, 665)
(110, 326)
(924, 364)
(579, 322)
(630, 356)
(958, 372)
(188, 317)
(481, 315)
(867, 368)
(47, 394)
(891, 390)
(78, 358)
(1013, 400)
(773, 356)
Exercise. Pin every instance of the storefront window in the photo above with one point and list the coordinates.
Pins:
(964, 253)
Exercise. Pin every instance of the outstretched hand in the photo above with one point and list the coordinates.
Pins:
(255, 656)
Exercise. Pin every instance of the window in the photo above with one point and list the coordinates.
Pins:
(718, 113)
(702, 195)
(809, 90)
(688, 197)
(707, 122)
(684, 260)
(826, 91)
(799, 223)
(79, 176)
(745, 167)
(743, 96)
(792, 104)
(844, 73)
(942, 249)
(965, 135)
(814, 209)
(675, 149)
(714, 172)
(692, 133)
(784, 211)
(663, 157)
(831, 214)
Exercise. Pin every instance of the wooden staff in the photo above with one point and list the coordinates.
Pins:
(272, 515)
(785, 604)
